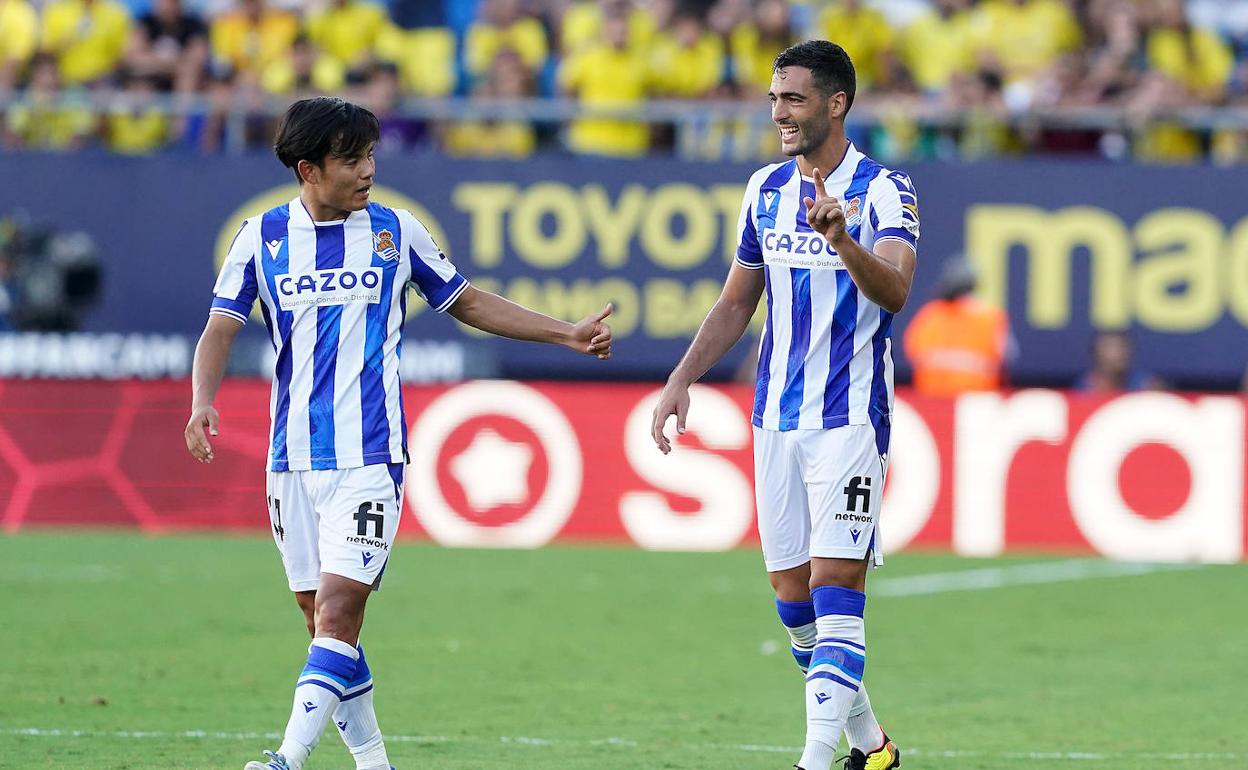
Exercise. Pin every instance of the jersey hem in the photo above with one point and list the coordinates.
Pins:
(446, 304)
(912, 244)
(835, 421)
(750, 266)
(229, 314)
(357, 461)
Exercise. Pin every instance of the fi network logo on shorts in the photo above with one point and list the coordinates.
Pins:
(494, 464)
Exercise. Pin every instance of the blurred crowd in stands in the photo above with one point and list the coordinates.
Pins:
(937, 78)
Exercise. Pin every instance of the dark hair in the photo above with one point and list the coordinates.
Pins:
(829, 66)
(313, 129)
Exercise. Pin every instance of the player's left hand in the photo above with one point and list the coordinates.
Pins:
(824, 214)
(591, 336)
(196, 440)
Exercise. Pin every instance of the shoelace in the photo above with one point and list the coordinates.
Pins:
(844, 762)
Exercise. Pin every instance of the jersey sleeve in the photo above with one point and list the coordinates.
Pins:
(433, 276)
(749, 255)
(895, 209)
(235, 291)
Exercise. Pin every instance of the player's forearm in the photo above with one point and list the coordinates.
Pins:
(722, 328)
(498, 315)
(879, 280)
(212, 353)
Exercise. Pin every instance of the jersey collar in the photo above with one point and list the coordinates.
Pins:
(843, 173)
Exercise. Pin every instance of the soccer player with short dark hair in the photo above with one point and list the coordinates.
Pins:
(831, 237)
(331, 271)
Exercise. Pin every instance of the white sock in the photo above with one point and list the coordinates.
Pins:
(835, 672)
(861, 729)
(330, 668)
(357, 722)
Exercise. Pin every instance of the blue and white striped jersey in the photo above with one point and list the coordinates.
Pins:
(825, 358)
(333, 296)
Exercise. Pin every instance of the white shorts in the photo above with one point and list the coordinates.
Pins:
(337, 521)
(818, 494)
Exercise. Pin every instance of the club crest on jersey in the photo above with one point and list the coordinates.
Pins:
(383, 245)
(853, 212)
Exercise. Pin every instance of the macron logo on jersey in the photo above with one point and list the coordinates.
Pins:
(329, 287)
(810, 251)
(274, 247)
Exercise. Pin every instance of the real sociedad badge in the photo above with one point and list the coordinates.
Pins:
(383, 245)
(853, 213)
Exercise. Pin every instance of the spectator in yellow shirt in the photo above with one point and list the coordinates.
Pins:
(503, 26)
(133, 125)
(88, 37)
(1188, 66)
(688, 62)
(303, 71)
(937, 46)
(425, 57)
(508, 79)
(348, 30)
(19, 36)
(609, 74)
(48, 119)
(581, 24)
(866, 36)
(1021, 40)
(250, 37)
(755, 44)
(1196, 60)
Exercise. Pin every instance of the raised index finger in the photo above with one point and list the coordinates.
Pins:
(819, 189)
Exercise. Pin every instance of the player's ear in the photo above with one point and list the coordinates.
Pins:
(837, 105)
(309, 172)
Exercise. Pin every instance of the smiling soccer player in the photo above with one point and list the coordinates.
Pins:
(831, 237)
(331, 270)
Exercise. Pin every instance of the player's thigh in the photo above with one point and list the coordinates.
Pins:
(844, 483)
(783, 516)
(360, 510)
(294, 523)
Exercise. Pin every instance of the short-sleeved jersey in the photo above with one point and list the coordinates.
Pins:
(333, 296)
(825, 358)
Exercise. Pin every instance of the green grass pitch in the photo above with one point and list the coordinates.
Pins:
(121, 651)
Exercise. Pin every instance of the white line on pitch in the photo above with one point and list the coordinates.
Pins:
(1015, 575)
(623, 743)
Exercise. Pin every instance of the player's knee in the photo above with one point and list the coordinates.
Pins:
(845, 573)
(339, 615)
(791, 585)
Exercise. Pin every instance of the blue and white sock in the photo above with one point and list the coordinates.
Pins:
(357, 722)
(321, 685)
(835, 675)
(799, 620)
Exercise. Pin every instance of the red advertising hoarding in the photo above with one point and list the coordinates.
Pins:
(1143, 476)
